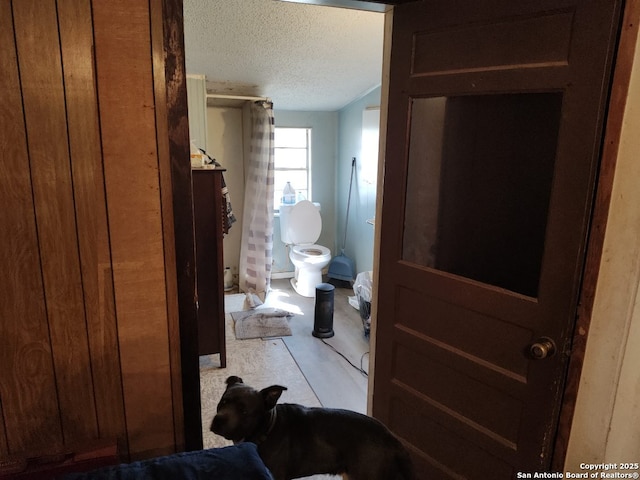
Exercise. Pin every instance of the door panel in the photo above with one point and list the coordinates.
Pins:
(494, 123)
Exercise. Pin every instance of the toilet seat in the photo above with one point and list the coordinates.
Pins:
(312, 250)
(305, 223)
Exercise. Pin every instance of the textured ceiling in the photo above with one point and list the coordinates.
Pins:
(303, 57)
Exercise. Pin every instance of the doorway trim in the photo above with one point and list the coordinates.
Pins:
(182, 195)
(176, 97)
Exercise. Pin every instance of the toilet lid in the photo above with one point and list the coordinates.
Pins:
(305, 223)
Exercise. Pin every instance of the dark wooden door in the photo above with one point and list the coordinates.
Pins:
(493, 137)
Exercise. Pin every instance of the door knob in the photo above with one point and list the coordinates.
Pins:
(542, 348)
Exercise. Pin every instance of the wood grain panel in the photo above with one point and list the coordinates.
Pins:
(4, 446)
(27, 383)
(442, 458)
(466, 401)
(76, 37)
(460, 330)
(538, 41)
(125, 79)
(45, 114)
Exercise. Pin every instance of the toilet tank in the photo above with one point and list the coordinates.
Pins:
(285, 210)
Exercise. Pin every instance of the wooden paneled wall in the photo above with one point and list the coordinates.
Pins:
(89, 346)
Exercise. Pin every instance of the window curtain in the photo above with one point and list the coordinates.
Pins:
(256, 249)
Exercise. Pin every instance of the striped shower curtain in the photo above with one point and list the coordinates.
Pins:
(256, 250)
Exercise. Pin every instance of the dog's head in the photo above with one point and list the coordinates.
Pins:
(242, 410)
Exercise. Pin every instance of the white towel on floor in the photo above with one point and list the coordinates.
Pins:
(261, 323)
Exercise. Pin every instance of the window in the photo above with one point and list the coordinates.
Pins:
(292, 159)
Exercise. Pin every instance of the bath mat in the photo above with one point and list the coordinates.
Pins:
(261, 323)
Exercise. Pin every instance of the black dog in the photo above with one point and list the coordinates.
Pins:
(296, 441)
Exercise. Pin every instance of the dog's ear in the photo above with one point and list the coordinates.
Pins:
(271, 395)
(232, 380)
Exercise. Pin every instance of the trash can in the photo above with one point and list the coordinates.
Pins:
(363, 287)
(323, 317)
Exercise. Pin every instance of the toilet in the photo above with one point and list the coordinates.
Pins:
(300, 227)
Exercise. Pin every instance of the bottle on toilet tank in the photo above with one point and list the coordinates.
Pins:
(288, 194)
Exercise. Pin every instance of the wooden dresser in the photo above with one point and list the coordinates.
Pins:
(209, 211)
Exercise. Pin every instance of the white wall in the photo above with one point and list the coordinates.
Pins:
(360, 234)
(197, 100)
(225, 141)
